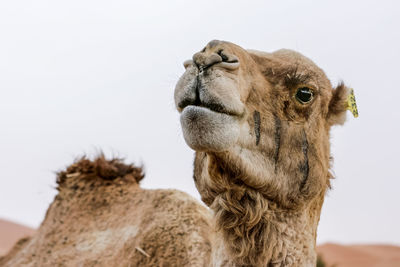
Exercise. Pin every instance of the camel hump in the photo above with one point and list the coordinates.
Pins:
(101, 170)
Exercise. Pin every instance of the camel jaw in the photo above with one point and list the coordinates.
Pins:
(208, 130)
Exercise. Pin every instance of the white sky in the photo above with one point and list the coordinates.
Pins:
(77, 76)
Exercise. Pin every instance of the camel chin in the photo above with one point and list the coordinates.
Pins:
(207, 130)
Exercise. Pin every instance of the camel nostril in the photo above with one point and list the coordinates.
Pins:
(223, 56)
(230, 62)
(203, 60)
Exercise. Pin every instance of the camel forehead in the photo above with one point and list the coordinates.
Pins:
(296, 59)
(293, 57)
(288, 60)
(286, 57)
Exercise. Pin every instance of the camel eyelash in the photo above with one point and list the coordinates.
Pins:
(293, 78)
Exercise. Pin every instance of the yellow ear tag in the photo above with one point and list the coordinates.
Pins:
(351, 103)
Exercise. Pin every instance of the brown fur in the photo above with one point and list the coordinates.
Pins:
(100, 168)
(338, 101)
(265, 183)
(101, 217)
(267, 188)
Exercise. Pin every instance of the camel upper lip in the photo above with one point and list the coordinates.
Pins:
(197, 96)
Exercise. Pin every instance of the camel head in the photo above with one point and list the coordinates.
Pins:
(266, 115)
(259, 123)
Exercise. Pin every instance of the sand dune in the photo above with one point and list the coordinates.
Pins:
(333, 254)
(11, 232)
(360, 255)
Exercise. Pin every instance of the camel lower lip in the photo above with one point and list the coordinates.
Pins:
(207, 130)
(196, 113)
(199, 109)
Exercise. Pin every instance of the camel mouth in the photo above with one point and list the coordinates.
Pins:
(213, 107)
(193, 112)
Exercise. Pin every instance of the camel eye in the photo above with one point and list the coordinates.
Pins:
(304, 95)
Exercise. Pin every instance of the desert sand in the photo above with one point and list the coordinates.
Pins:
(11, 232)
(360, 255)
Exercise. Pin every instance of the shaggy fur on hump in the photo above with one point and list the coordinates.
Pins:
(102, 168)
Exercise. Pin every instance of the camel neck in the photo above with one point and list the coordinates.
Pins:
(274, 237)
(254, 228)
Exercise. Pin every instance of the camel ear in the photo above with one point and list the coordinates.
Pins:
(339, 104)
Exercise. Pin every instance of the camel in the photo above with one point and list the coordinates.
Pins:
(259, 125)
(101, 217)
